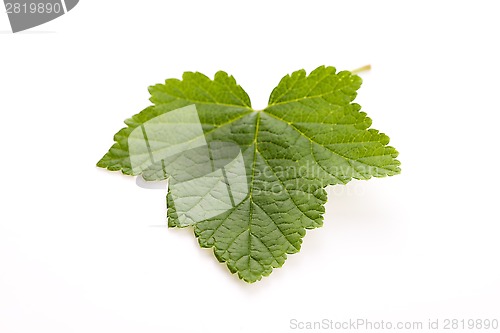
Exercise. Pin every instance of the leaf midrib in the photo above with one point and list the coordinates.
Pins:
(252, 178)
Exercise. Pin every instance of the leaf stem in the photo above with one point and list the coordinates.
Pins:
(361, 69)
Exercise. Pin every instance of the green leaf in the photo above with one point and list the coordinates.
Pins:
(310, 136)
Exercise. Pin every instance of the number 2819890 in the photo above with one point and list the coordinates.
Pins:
(33, 8)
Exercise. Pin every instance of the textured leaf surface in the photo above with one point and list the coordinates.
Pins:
(311, 135)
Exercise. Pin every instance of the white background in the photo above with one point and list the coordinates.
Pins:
(85, 250)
